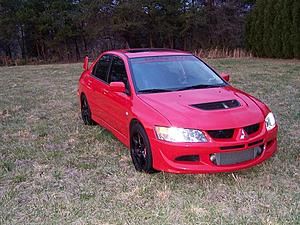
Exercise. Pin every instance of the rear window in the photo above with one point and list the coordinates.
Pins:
(101, 68)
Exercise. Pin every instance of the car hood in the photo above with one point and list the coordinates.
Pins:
(176, 107)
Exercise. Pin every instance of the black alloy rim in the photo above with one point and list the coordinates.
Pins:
(139, 149)
(85, 111)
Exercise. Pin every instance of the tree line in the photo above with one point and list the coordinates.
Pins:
(273, 29)
(66, 30)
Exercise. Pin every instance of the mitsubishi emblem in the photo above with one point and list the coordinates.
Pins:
(243, 135)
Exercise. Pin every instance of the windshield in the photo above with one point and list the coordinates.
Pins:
(172, 73)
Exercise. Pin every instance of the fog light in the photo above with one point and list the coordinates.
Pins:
(213, 158)
(261, 148)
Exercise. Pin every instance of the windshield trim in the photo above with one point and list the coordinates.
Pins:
(174, 90)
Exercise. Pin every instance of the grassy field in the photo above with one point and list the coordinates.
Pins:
(55, 170)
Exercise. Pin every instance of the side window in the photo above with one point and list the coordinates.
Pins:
(101, 68)
(118, 72)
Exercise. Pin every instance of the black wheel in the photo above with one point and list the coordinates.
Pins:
(86, 114)
(140, 149)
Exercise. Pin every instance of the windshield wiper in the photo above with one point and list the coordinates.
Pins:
(154, 90)
(199, 86)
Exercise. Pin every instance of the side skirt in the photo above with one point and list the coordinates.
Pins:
(122, 138)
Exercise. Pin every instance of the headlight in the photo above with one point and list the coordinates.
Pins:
(270, 121)
(174, 134)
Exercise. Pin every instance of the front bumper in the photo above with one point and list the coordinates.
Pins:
(165, 154)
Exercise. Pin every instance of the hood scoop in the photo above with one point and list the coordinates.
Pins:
(228, 104)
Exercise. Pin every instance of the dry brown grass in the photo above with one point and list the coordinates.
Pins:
(54, 170)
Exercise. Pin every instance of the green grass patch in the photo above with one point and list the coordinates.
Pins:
(55, 170)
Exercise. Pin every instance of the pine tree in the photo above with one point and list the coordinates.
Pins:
(296, 29)
(273, 29)
(276, 39)
(287, 21)
(259, 28)
(248, 32)
(269, 16)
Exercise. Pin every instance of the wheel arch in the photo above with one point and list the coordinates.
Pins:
(132, 122)
(137, 121)
(150, 168)
(81, 95)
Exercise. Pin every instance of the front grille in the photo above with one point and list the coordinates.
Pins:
(218, 105)
(252, 128)
(228, 133)
(229, 158)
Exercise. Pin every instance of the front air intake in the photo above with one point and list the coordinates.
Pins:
(218, 105)
(252, 128)
(188, 158)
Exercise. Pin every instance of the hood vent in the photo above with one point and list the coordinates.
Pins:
(218, 105)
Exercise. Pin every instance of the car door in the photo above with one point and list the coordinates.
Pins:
(99, 86)
(119, 102)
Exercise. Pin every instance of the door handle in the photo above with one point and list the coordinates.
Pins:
(89, 85)
(105, 91)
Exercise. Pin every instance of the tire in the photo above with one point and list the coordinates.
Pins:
(86, 114)
(140, 149)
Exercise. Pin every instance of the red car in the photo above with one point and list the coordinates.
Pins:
(175, 113)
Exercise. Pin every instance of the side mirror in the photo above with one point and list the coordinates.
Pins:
(117, 87)
(225, 76)
(85, 63)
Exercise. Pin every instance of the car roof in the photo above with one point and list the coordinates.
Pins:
(148, 52)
